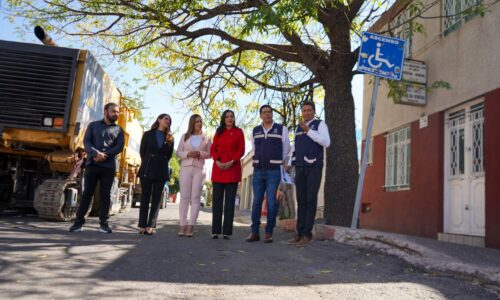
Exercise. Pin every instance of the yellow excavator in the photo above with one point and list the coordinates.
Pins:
(48, 96)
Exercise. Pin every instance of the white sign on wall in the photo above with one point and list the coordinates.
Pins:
(415, 71)
(424, 120)
(415, 74)
(416, 95)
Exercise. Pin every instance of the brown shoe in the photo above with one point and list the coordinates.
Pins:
(253, 237)
(294, 240)
(268, 238)
(303, 241)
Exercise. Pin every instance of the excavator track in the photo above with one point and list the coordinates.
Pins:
(50, 200)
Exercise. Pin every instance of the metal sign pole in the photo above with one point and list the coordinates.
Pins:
(366, 151)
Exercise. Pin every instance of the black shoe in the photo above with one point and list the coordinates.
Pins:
(253, 237)
(76, 227)
(105, 228)
(226, 237)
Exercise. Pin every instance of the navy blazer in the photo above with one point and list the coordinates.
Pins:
(155, 160)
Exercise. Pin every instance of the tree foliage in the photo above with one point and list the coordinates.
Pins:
(175, 172)
(220, 50)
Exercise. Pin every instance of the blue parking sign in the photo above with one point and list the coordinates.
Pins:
(381, 55)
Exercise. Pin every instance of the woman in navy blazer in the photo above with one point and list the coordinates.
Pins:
(156, 150)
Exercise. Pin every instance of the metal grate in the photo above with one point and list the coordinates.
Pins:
(35, 82)
(403, 29)
(456, 126)
(457, 12)
(477, 123)
(397, 169)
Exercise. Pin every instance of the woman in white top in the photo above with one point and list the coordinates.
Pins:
(193, 149)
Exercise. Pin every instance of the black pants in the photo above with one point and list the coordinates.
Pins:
(151, 193)
(307, 182)
(224, 197)
(93, 175)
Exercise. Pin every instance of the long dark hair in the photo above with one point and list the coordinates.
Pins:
(192, 121)
(156, 124)
(222, 125)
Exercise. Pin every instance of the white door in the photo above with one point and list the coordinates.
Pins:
(464, 170)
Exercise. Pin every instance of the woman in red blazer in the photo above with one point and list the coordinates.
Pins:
(227, 149)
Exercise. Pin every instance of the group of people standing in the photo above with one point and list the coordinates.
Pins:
(272, 152)
(104, 140)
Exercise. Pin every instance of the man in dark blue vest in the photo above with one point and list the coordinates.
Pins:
(311, 138)
(271, 145)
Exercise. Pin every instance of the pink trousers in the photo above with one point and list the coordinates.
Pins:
(191, 184)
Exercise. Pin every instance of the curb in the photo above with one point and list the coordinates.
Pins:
(320, 231)
(413, 253)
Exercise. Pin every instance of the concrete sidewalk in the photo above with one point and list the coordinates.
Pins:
(478, 264)
(481, 264)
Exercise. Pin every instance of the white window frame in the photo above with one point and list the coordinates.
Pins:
(398, 159)
(453, 8)
(403, 29)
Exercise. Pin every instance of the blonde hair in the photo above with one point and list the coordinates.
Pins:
(192, 121)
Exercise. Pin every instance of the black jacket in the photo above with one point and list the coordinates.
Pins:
(155, 160)
(108, 139)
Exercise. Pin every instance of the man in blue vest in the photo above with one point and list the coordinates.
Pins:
(271, 145)
(311, 138)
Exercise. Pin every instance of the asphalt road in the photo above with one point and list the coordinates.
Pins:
(40, 259)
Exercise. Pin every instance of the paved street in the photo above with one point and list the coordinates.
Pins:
(40, 259)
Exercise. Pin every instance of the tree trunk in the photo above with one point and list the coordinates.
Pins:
(342, 155)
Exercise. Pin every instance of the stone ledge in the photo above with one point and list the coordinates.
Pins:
(320, 231)
(413, 253)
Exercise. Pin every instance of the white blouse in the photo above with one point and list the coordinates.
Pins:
(195, 141)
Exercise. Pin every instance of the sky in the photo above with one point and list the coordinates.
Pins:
(157, 99)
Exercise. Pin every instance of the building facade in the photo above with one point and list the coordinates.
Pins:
(434, 171)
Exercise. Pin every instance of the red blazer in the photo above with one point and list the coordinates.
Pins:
(230, 145)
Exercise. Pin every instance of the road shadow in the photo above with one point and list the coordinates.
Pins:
(28, 247)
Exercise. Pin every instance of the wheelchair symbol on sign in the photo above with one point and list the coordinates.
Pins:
(378, 58)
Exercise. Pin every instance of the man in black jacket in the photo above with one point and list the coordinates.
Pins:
(103, 141)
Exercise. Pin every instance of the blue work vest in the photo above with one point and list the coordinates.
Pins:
(307, 152)
(268, 149)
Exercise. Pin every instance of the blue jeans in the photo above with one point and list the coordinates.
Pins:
(265, 182)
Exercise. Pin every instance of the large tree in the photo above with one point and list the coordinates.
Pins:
(221, 49)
